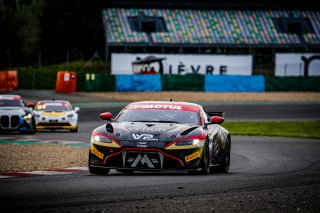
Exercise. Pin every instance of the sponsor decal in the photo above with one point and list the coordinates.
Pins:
(297, 64)
(96, 152)
(145, 129)
(142, 144)
(155, 106)
(147, 137)
(143, 160)
(183, 64)
(192, 156)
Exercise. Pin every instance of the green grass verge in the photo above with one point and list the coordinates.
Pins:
(308, 129)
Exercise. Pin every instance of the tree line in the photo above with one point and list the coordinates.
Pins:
(35, 32)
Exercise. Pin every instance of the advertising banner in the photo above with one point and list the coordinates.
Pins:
(297, 64)
(181, 64)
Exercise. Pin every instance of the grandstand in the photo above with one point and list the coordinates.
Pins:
(212, 29)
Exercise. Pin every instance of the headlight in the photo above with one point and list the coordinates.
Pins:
(102, 139)
(194, 142)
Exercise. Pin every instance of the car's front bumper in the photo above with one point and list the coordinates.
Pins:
(145, 158)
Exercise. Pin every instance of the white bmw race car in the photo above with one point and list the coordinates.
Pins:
(56, 114)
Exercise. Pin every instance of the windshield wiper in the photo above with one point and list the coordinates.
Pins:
(157, 121)
(176, 122)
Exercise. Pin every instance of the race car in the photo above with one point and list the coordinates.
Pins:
(160, 136)
(56, 114)
(15, 115)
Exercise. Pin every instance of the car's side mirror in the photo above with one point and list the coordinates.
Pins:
(106, 116)
(30, 105)
(216, 120)
(77, 109)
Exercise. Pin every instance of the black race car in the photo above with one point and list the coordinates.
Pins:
(160, 135)
(16, 115)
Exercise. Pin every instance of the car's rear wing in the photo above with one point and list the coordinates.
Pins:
(221, 114)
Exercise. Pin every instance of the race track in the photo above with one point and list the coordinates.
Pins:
(267, 174)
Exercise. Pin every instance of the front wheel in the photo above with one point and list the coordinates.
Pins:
(205, 162)
(97, 170)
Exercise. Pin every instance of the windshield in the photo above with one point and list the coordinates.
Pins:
(161, 116)
(12, 103)
(56, 107)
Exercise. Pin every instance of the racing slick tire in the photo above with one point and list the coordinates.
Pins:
(97, 170)
(225, 163)
(205, 162)
(125, 171)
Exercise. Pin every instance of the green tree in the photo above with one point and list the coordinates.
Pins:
(28, 18)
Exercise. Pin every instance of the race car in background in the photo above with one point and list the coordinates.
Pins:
(15, 115)
(160, 135)
(56, 114)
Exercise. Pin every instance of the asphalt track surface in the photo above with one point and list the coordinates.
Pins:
(267, 174)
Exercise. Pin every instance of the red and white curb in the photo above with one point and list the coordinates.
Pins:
(45, 172)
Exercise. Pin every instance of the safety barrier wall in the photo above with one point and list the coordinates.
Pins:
(66, 82)
(188, 82)
(209, 83)
(292, 83)
(91, 82)
(227, 83)
(138, 83)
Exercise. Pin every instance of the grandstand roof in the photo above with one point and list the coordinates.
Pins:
(216, 4)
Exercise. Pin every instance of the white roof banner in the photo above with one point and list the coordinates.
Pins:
(181, 64)
(297, 64)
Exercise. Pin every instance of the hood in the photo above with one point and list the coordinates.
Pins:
(155, 134)
(14, 111)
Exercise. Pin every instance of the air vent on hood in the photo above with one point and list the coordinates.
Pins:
(109, 128)
(185, 132)
(150, 125)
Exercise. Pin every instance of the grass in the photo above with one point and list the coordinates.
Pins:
(303, 129)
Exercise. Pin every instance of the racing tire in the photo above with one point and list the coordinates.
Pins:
(205, 161)
(97, 170)
(225, 162)
(125, 171)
